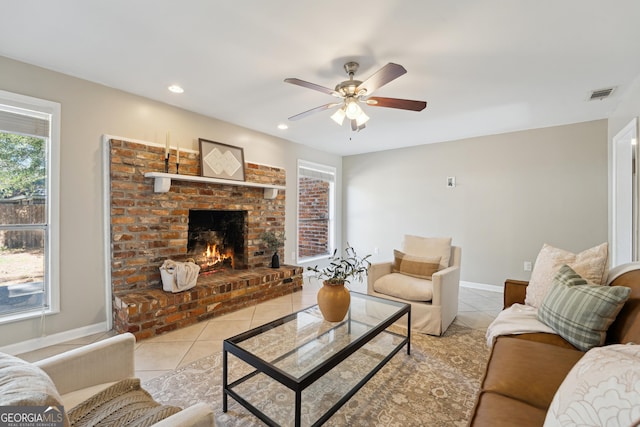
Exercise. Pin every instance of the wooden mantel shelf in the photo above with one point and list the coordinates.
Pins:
(162, 183)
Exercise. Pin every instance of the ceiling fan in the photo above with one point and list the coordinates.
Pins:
(353, 93)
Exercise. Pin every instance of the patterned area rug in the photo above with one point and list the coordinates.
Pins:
(434, 386)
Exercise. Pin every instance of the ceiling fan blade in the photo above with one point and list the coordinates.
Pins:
(402, 104)
(315, 110)
(383, 76)
(313, 86)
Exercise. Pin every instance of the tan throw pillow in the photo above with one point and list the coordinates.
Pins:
(428, 247)
(414, 266)
(591, 264)
(124, 403)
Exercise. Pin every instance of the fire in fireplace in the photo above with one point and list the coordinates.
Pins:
(216, 239)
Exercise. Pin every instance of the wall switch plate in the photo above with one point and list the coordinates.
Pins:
(451, 181)
(527, 266)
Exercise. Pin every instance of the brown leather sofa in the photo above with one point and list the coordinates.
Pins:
(524, 371)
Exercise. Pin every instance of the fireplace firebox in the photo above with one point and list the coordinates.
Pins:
(217, 239)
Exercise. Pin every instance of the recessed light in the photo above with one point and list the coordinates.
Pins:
(283, 126)
(176, 89)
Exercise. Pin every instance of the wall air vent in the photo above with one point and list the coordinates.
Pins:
(601, 93)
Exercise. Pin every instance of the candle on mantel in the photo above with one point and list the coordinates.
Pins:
(166, 145)
(178, 152)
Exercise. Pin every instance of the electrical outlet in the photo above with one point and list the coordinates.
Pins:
(527, 266)
(376, 251)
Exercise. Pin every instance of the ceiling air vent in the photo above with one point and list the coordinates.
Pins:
(601, 93)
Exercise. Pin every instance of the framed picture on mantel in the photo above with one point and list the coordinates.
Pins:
(219, 160)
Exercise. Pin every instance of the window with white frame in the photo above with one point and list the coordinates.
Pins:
(316, 210)
(29, 194)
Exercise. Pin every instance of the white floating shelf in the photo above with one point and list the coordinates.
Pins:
(162, 183)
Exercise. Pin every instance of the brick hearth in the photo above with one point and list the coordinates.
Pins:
(148, 228)
(150, 312)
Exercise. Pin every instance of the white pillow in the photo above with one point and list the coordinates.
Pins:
(591, 264)
(428, 247)
(602, 389)
(24, 384)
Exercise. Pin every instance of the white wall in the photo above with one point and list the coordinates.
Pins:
(88, 111)
(514, 192)
(628, 108)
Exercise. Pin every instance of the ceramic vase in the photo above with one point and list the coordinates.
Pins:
(275, 260)
(333, 301)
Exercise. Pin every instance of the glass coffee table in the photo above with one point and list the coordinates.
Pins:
(300, 369)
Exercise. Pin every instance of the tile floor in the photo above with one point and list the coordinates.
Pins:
(158, 355)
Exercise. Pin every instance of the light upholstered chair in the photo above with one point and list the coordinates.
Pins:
(71, 378)
(426, 274)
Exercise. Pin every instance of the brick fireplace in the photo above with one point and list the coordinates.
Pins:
(148, 227)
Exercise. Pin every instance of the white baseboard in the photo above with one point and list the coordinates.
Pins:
(59, 338)
(482, 286)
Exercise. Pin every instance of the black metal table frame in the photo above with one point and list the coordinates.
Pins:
(299, 385)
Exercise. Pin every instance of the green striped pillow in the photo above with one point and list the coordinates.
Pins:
(581, 312)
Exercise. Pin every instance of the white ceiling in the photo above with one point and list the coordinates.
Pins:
(483, 66)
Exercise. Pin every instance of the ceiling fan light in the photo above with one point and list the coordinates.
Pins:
(352, 109)
(362, 118)
(338, 116)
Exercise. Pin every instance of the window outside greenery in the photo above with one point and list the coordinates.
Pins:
(22, 208)
(25, 229)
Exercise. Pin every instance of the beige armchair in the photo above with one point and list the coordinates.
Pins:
(435, 305)
(81, 373)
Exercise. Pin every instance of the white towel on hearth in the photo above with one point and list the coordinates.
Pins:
(178, 276)
(186, 275)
